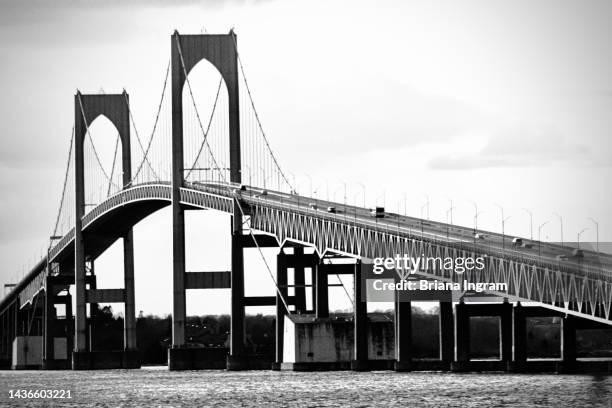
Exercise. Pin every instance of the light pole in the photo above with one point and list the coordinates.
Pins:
(530, 222)
(476, 220)
(475, 215)
(540, 237)
(503, 225)
(249, 170)
(335, 191)
(596, 231)
(263, 176)
(561, 224)
(427, 204)
(579, 234)
(383, 195)
(310, 179)
(364, 193)
(293, 187)
(450, 209)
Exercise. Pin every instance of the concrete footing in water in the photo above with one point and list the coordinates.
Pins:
(96, 360)
(215, 358)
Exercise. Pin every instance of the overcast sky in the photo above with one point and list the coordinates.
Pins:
(503, 102)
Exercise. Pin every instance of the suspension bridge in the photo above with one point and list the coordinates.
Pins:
(223, 161)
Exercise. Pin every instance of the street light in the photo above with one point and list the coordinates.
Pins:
(427, 204)
(310, 178)
(476, 219)
(249, 170)
(263, 176)
(579, 234)
(364, 193)
(503, 225)
(475, 215)
(596, 231)
(344, 184)
(561, 224)
(383, 195)
(540, 237)
(530, 222)
(450, 209)
(355, 197)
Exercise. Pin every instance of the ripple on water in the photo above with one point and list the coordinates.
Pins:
(157, 387)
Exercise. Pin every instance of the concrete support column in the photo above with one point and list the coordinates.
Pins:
(506, 332)
(321, 291)
(129, 329)
(281, 281)
(237, 359)
(178, 275)
(69, 325)
(49, 324)
(447, 333)
(519, 336)
(299, 280)
(403, 332)
(360, 319)
(462, 332)
(94, 308)
(568, 340)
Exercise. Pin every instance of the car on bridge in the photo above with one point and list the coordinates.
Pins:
(378, 212)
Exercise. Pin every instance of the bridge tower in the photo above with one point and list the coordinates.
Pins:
(220, 51)
(87, 109)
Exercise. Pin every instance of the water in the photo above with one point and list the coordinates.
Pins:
(157, 387)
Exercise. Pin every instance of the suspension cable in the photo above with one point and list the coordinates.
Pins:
(248, 89)
(108, 191)
(222, 176)
(146, 151)
(212, 114)
(59, 212)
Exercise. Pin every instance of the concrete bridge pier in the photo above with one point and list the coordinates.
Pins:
(298, 260)
(463, 312)
(128, 357)
(360, 322)
(58, 333)
(321, 290)
(447, 335)
(281, 312)
(237, 359)
(568, 345)
(519, 338)
(403, 332)
(8, 334)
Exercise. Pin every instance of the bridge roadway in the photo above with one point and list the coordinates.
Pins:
(492, 243)
(104, 224)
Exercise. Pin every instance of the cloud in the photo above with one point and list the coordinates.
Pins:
(520, 146)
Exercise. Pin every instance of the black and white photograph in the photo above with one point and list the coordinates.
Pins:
(291, 203)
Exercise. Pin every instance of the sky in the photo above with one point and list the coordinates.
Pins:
(500, 102)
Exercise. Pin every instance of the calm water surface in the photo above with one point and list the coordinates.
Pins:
(157, 387)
